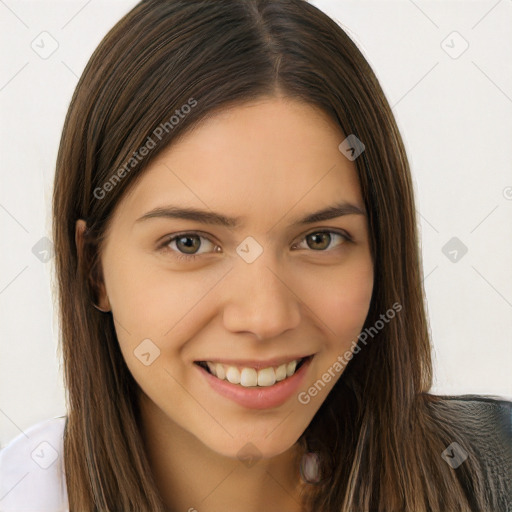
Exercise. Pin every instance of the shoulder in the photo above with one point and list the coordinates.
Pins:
(32, 470)
(485, 420)
(484, 428)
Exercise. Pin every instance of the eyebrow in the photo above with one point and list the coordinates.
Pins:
(209, 217)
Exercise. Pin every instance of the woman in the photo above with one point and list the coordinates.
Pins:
(243, 325)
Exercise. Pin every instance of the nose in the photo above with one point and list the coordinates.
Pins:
(260, 301)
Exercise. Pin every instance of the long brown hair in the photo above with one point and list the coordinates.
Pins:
(379, 433)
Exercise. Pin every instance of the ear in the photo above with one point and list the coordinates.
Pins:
(96, 282)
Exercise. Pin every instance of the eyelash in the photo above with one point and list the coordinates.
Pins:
(190, 257)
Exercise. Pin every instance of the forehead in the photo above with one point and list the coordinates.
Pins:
(260, 159)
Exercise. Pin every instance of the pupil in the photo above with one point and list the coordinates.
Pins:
(316, 237)
(194, 244)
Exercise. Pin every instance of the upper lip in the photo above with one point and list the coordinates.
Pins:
(253, 363)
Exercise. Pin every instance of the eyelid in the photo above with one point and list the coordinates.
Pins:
(336, 231)
(171, 238)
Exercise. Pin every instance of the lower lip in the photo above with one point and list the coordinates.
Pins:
(256, 397)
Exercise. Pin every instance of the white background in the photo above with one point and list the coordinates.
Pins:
(455, 115)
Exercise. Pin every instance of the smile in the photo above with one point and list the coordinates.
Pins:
(264, 385)
(248, 376)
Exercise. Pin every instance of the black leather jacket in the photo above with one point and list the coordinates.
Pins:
(487, 423)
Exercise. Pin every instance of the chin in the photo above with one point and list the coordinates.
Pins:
(249, 448)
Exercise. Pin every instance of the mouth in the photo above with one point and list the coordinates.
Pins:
(247, 376)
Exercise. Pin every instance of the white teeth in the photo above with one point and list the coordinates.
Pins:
(266, 377)
(219, 371)
(233, 375)
(281, 372)
(290, 368)
(250, 377)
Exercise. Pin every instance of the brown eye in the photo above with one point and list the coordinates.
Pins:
(319, 241)
(186, 245)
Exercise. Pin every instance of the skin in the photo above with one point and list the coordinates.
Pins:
(271, 162)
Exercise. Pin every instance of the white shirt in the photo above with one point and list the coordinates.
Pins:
(32, 475)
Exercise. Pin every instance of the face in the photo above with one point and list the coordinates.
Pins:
(246, 295)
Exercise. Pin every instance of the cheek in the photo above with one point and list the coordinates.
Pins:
(342, 303)
(154, 311)
(147, 299)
